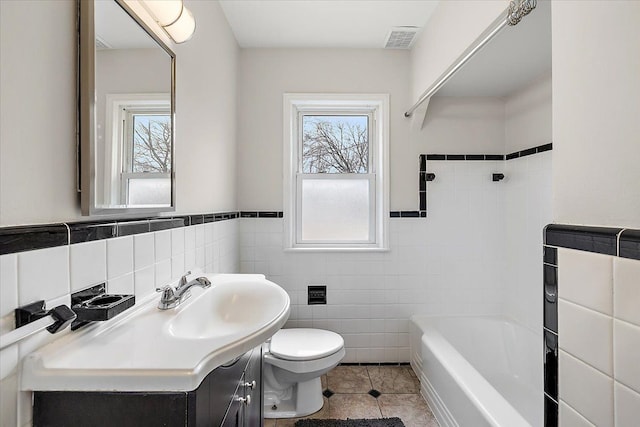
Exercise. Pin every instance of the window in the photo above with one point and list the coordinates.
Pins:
(139, 143)
(336, 162)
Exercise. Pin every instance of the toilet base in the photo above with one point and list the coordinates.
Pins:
(305, 399)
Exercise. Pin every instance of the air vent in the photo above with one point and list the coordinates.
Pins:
(401, 37)
(101, 44)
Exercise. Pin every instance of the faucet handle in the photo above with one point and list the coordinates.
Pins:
(183, 279)
(167, 292)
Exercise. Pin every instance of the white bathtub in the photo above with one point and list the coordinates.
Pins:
(478, 371)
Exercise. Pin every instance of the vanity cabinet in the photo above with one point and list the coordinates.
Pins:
(228, 396)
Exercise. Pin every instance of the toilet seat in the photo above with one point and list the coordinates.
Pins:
(303, 344)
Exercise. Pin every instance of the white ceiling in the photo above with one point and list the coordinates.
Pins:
(515, 57)
(322, 23)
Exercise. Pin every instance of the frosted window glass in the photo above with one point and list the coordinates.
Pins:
(335, 209)
(150, 191)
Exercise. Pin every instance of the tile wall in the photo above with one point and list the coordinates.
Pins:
(592, 328)
(133, 264)
(370, 296)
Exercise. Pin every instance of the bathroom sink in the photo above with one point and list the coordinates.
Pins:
(160, 350)
(227, 309)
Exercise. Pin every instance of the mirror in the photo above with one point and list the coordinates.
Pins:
(126, 113)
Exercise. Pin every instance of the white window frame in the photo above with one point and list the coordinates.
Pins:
(377, 106)
(120, 108)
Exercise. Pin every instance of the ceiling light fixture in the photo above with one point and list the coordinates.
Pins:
(174, 18)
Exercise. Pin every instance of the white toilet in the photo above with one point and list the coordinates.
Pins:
(294, 360)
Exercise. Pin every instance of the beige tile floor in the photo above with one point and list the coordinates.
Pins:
(400, 396)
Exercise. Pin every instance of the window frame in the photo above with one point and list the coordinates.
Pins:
(376, 106)
(119, 135)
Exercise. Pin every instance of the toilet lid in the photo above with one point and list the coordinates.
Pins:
(305, 344)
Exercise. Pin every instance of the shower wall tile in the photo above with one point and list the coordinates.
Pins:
(587, 279)
(627, 351)
(587, 335)
(587, 390)
(599, 330)
(627, 406)
(569, 417)
(626, 291)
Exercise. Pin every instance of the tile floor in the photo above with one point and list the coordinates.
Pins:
(399, 396)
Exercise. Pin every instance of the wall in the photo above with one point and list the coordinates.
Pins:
(528, 116)
(458, 23)
(596, 99)
(599, 339)
(38, 104)
(527, 200)
(128, 265)
(266, 74)
(38, 170)
(38, 77)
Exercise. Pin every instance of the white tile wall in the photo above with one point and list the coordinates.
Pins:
(626, 290)
(119, 256)
(88, 264)
(569, 417)
(627, 406)
(599, 337)
(586, 279)
(587, 390)
(43, 274)
(527, 188)
(586, 334)
(127, 264)
(371, 295)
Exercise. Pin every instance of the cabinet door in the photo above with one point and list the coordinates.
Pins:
(254, 410)
(235, 415)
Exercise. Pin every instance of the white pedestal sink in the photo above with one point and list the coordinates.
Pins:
(149, 349)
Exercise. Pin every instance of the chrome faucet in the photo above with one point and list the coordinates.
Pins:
(173, 297)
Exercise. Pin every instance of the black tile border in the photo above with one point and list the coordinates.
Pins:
(375, 364)
(602, 240)
(514, 155)
(629, 244)
(32, 237)
(27, 238)
(613, 241)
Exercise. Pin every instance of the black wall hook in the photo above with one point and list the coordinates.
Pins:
(498, 177)
(430, 177)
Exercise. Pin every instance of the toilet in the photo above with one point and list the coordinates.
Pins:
(294, 360)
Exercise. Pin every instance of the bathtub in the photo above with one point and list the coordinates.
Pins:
(478, 371)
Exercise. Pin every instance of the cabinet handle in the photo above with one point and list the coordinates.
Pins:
(251, 384)
(245, 400)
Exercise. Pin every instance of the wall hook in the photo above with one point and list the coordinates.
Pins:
(498, 177)
(430, 177)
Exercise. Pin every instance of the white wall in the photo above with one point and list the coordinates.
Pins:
(38, 103)
(266, 74)
(451, 29)
(462, 125)
(596, 105)
(528, 116)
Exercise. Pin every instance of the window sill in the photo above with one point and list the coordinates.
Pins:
(343, 250)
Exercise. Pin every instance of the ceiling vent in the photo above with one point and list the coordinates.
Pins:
(101, 44)
(401, 37)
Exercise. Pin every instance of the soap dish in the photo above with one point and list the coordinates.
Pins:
(103, 307)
